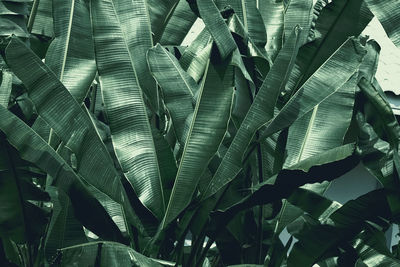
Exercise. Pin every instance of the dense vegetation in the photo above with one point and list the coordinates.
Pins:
(120, 147)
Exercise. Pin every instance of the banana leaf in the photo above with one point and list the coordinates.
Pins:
(217, 27)
(20, 220)
(195, 57)
(13, 24)
(207, 128)
(335, 21)
(177, 86)
(178, 25)
(272, 12)
(28, 143)
(13, 20)
(123, 17)
(385, 112)
(322, 128)
(261, 109)
(103, 254)
(298, 13)
(71, 53)
(75, 128)
(311, 170)
(388, 15)
(64, 229)
(160, 12)
(125, 106)
(252, 20)
(13, 8)
(296, 108)
(370, 246)
(368, 210)
(42, 23)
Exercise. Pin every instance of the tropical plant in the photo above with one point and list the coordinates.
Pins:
(121, 147)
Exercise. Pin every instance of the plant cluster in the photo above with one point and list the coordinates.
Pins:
(121, 147)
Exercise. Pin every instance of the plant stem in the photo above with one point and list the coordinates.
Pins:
(32, 16)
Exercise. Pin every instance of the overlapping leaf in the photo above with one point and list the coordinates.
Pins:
(125, 105)
(71, 54)
(59, 109)
(206, 130)
(178, 25)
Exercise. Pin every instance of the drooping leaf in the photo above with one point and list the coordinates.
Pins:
(75, 128)
(103, 254)
(346, 223)
(178, 25)
(384, 110)
(298, 13)
(389, 16)
(217, 27)
(272, 12)
(125, 104)
(252, 20)
(160, 13)
(312, 170)
(71, 54)
(195, 57)
(336, 21)
(13, 21)
(34, 149)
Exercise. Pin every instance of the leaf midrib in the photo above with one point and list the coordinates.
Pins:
(64, 62)
(141, 106)
(201, 89)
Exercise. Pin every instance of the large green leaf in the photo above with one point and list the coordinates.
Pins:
(388, 15)
(124, 102)
(252, 20)
(345, 62)
(160, 11)
(52, 101)
(103, 254)
(71, 54)
(130, 19)
(272, 12)
(298, 13)
(178, 25)
(216, 25)
(42, 23)
(322, 128)
(177, 86)
(206, 130)
(384, 111)
(366, 212)
(34, 149)
(13, 20)
(261, 110)
(195, 57)
(318, 168)
(335, 22)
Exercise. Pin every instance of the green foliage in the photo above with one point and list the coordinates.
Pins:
(121, 147)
